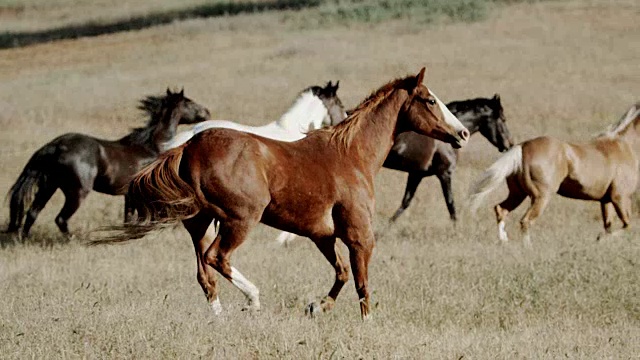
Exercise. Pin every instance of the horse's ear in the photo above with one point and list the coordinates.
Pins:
(420, 77)
(328, 89)
(335, 87)
(182, 92)
(496, 97)
(169, 92)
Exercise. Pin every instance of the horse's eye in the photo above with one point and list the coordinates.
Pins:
(431, 102)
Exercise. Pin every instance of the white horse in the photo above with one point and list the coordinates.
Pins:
(314, 108)
(286, 237)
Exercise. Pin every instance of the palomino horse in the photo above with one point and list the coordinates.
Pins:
(78, 163)
(314, 108)
(320, 187)
(423, 156)
(604, 169)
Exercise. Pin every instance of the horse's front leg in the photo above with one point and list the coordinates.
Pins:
(447, 191)
(359, 239)
(328, 248)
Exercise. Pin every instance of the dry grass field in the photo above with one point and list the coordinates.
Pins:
(566, 69)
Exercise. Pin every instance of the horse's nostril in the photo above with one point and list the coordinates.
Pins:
(464, 134)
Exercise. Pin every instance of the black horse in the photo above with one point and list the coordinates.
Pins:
(77, 163)
(422, 156)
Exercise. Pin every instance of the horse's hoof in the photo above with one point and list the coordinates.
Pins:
(251, 307)
(312, 310)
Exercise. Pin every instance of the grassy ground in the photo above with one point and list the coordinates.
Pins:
(566, 69)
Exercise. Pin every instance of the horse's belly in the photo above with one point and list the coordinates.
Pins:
(575, 189)
(313, 223)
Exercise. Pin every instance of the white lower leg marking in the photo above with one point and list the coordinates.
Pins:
(247, 288)
(216, 307)
(527, 239)
(290, 238)
(285, 238)
(502, 233)
(282, 238)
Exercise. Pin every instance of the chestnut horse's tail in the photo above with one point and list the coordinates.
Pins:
(509, 163)
(161, 197)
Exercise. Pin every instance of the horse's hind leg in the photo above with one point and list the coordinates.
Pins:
(203, 233)
(40, 200)
(328, 248)
(73, 199)
(538, 203)
(232, 233)
(413, 181)
(514, 199)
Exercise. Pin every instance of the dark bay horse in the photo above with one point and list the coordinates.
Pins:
(320, 187)
(604, 169)
(78, 163)
(423, 156)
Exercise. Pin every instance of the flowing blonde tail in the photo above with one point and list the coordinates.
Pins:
(508, 164)
(160, 196)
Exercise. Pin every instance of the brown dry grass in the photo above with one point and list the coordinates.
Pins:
(567, 69)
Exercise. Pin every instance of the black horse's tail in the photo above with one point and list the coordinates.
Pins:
(33, 176)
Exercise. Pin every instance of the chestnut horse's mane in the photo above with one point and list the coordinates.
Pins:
(344, 132)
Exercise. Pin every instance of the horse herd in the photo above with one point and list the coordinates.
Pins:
(222, 178)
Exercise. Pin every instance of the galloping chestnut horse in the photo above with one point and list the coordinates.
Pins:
(78, 163)
(423, 156)
(604, 169)
(320, 187)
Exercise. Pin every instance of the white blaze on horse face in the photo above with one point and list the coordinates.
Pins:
(246, 287)
(502, 233)
(449, 118)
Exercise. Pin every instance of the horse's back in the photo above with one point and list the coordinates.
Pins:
(575, 170)
(255, 173)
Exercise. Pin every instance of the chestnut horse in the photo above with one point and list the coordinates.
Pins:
(320, 187)
(604, 169)
(78, 163)
(423, 156)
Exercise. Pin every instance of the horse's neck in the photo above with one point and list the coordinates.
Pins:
(470, 120)
(163, 132)
(632, 137)
(376, 135)
(306, 111)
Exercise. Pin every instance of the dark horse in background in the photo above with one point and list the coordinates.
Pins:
(422, 156)
(78, 163)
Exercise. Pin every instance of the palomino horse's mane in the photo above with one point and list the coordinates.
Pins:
(344, 132)
(623, 123)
